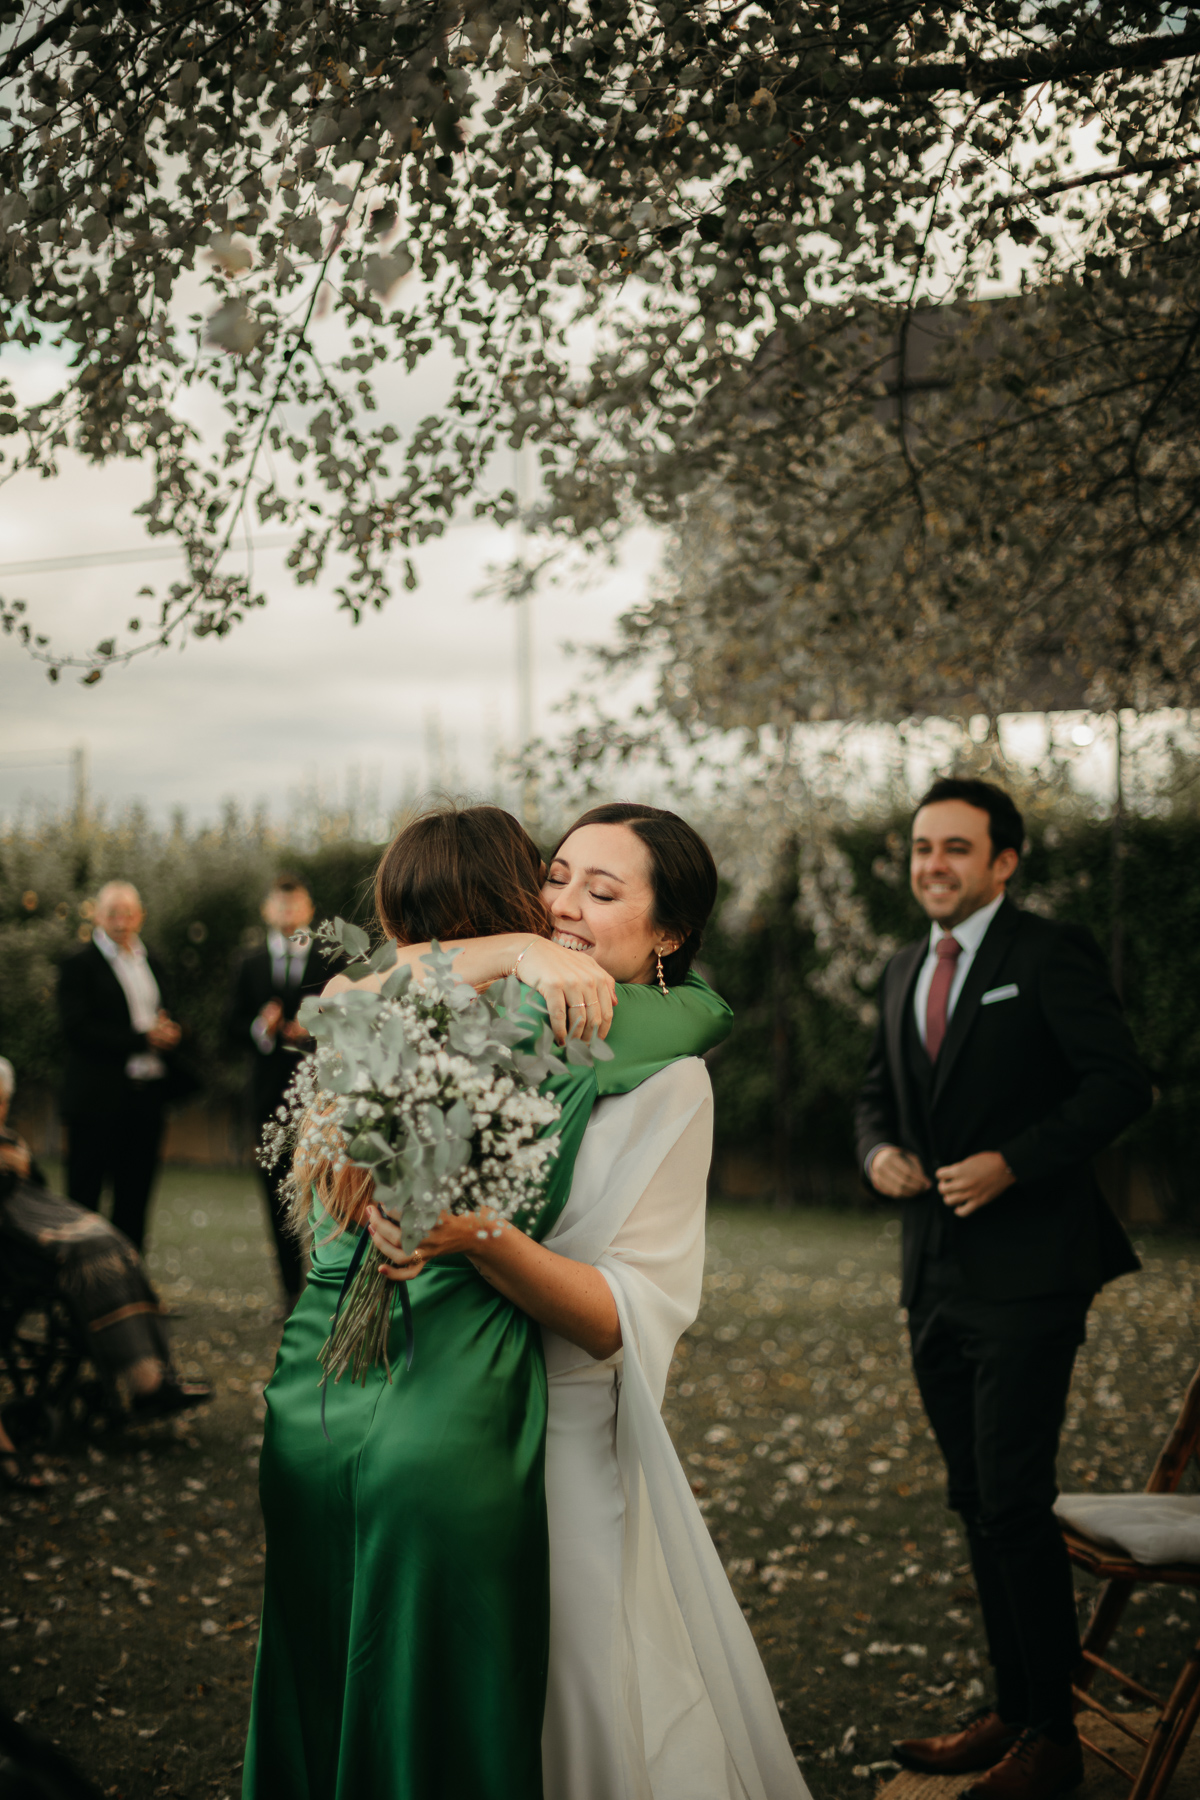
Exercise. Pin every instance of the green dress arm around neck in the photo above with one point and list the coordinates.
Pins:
(651, 1029)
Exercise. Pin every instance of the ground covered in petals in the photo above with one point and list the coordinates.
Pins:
(130, 1594)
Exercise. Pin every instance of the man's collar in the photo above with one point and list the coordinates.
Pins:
(279, 945)
(970, 932)
(112, 950)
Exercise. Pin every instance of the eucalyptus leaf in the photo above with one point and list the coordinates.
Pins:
(352, 938)
(397, 983)
(383, 957)
(460, 1120)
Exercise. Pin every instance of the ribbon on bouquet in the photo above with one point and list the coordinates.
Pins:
(360, 1250)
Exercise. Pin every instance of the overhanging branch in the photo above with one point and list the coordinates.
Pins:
(977, 75)
(19, 52)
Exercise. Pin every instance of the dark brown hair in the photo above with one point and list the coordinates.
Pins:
(460, 873)
(683, 874)
(452, 873)
(1006, 827)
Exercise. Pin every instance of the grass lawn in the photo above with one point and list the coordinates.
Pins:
(127, 1623)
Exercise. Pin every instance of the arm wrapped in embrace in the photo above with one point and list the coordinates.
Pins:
(422, 1098)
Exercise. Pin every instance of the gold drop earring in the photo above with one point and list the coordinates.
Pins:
(658, 958)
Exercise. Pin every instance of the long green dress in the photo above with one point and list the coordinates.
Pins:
(403, 1647)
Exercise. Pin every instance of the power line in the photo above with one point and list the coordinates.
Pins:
(111, 559)
(96, 559)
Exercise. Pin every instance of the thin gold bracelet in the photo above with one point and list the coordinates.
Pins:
(517, 964)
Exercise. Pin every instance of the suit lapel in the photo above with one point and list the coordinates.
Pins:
(907, 965)
(111, 980)
(989, 959)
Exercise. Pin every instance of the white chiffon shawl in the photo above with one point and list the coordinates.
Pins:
(636, 1212)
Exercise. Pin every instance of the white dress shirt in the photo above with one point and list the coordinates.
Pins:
(132, 969)
(289, 959)
(970, 934)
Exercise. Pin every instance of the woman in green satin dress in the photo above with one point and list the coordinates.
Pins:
(403, 1648)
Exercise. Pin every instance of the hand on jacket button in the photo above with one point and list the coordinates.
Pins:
(966, 1186)
(164, 1034)
(897, 1173)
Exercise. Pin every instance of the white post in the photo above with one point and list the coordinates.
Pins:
(78, 761)
(524, 648)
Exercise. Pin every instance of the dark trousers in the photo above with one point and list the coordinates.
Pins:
(122, 1147)
(994, 1378)
(287, 1250)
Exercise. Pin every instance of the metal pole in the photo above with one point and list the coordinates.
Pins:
(78, 758)
(525, 651)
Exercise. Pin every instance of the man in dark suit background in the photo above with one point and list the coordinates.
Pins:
(1001, 1065)
(268, 988)
(122, 1062)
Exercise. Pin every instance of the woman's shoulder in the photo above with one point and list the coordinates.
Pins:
(682, 1086)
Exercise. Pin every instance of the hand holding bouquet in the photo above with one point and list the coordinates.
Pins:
(427, 1088)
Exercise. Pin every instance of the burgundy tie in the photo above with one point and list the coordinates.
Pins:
(948, 952)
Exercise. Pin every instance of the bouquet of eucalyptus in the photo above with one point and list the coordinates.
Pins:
(423, 1086)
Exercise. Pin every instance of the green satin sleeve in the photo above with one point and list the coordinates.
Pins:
(651, 1029)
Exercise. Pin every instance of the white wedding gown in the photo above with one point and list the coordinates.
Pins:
(656, 1688)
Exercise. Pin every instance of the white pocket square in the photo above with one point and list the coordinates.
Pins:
(1008, 992)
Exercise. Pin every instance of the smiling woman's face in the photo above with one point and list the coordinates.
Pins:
(600, 899)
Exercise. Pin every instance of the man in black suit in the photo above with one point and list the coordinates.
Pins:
(122, 1062)
(1001, 1065)
(269, 986)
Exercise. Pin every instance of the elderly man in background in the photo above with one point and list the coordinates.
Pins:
(121, 1043)
(270, 984)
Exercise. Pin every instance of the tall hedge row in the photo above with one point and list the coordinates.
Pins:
(1136, 889)
(202, 891)
(786, 1079)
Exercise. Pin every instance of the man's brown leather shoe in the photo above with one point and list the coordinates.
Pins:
(1036, 1768)
(982, 1741)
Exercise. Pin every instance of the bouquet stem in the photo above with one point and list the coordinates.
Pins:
(362, 1323)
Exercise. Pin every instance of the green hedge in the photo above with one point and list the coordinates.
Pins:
(764, 970)
(202, 892)
(786, 1079)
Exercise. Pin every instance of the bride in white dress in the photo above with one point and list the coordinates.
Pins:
(656, 1688)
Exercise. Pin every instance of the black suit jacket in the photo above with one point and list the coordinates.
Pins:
(255, 984)
(100, 1038)
(1046, 1073)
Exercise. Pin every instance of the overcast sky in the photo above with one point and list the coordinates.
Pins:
(298, 692)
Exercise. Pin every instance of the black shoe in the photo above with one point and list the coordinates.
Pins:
(170, 1396)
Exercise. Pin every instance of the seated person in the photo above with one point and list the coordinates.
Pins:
(99, 1275)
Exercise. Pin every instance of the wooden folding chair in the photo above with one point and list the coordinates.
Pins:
(1121, 1574)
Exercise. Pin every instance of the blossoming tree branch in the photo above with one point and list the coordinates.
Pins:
(692, 254)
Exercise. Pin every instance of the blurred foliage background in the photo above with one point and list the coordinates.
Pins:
(796, 946)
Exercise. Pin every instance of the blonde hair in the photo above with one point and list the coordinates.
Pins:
(319, 1167)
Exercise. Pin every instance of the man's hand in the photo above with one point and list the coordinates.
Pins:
(269, 1018)
(293, 1032)
(897, 1173)
(164, 1034)
(15, 1157)
(970, 1184)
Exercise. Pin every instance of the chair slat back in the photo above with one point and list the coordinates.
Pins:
(1182, 1444)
